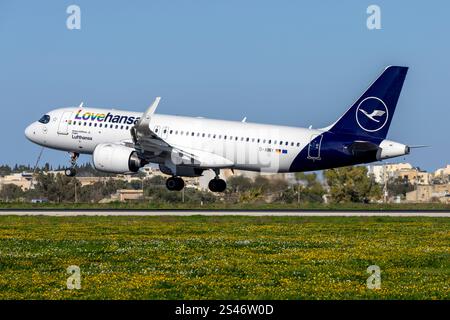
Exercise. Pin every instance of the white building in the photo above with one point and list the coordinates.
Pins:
(383, 172)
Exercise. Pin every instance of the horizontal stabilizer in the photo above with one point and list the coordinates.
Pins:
(364, 150)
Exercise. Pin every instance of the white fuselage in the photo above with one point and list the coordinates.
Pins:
(249, 146)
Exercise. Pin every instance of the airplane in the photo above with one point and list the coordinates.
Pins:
(124, 142)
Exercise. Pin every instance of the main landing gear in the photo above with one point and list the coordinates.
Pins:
(175, 183)
(71, 172)
(217, 184)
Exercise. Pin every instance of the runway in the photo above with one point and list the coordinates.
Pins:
(255, 213)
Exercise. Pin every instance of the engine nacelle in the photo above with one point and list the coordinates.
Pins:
(114, 158)
(391, 149)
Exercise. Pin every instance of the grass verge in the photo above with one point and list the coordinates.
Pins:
(224, 257)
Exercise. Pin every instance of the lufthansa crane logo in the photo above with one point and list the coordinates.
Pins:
(372, 114)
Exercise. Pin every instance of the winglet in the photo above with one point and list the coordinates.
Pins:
(145, 119)
(142, 126)
(151, 110)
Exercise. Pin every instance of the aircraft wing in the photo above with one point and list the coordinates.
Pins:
(152, 147)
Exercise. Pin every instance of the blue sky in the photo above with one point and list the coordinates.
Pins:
(297, 63)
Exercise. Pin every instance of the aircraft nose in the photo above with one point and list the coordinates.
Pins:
(30, 132)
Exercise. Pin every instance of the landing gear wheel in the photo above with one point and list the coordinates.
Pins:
(175, 184)
(217, 185)
(70, 172)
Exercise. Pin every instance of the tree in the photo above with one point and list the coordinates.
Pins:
(57, 188)
(11, 192)
(309, 188)
(239, 184)
(399, 186)
(351, 184)
(5, 170)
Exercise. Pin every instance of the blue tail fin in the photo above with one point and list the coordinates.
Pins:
(371, 114)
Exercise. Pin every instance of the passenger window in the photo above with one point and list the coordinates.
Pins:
(247, 139)
(192, 134)
(117, 126)
(127, 127)
(281, 142)
(298, 144)
(235, 138)
(270, 141)
(225, 137)
(203, 135)
(257, 140)
(287, 143)
(121, 127)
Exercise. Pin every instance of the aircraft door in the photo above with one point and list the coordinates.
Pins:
(63, 127)
(314, 147)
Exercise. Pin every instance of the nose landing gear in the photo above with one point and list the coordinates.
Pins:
(175, 183)
(71, 172)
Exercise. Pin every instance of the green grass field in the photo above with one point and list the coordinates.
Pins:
(224, 257)
(143, 205)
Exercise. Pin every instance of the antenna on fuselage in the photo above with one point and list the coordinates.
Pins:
(244, 120)
(81, 104)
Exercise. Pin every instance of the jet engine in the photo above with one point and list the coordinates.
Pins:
(116, 158)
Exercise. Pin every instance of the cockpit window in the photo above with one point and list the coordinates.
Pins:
(44, 119)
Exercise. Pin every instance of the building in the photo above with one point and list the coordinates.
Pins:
(442, 175)
(381, 172)
(404, 171)
(22, 180)
(124, 195)
(443, 172)
(414, 176)
(429, 193)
